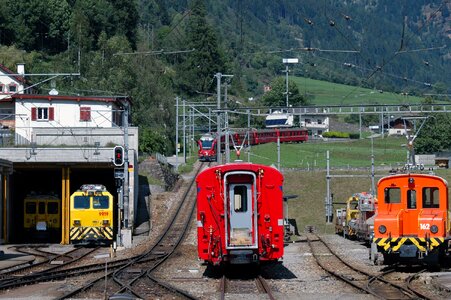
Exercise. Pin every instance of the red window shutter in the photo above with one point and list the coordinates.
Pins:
(33, 113)
(51, 113)
(85, 113)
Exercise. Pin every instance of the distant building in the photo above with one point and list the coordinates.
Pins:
(10, 82)
(394, 127)
(267, 88)
(397, 127)
(315, 124)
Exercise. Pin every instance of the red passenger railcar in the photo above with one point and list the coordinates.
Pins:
(240, 214)
(412, 221)
(207, 148)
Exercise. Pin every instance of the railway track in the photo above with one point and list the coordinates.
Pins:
(134, 277)
(257, 285)
(48, 264)
(374, 284)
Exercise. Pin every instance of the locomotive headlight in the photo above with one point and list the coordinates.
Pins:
(105, 222)
(382, 229)
(77, 223)
(434, 228)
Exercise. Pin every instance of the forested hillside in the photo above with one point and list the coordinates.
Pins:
(156, 50)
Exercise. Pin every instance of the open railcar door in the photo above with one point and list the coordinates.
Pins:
(241, 217)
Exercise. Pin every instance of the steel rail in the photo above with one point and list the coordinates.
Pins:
(144, 257)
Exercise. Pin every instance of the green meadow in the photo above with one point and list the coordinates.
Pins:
(327, 93)
(387, 152)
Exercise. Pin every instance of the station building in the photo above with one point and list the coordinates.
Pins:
(53, 144)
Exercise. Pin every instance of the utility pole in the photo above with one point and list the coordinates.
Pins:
(287, 61)
(176, 133)
(184, 134)
(226, 124)
(248, 135)
(218, 117)
(126, 179)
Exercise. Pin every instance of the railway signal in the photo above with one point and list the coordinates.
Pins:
(118, 160)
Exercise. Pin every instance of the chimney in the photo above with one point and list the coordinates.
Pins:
(20, 68)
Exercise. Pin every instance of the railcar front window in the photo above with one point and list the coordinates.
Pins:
(431, 197)
(100, 202)
(81, 202)
(52, 208)
(240, 198)
(30, 207)
(392, 195)
(411, 199)
(207, 144)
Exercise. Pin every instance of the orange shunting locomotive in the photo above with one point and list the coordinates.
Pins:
(240, 214)
(412, 222)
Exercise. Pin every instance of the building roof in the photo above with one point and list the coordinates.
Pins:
(70, 98)
(5, 70)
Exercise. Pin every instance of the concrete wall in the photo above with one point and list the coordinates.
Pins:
(425, 159)
(83, 137)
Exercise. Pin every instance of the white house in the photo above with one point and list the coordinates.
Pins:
(10, 82)
(315, 123)
(34, 112)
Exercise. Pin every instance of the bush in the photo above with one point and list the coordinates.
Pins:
(336, 134)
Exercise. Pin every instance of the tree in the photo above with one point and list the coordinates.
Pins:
(277, 95)
(435, 136)
(38, 24)
(197, 71)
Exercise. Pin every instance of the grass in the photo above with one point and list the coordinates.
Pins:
(346, 153)
(327, 93)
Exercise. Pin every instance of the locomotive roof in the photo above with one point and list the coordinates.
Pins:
(407, 175)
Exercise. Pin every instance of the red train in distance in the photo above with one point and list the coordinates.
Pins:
(240, 214)
(207, 148)
(207, 152)
(412, 220)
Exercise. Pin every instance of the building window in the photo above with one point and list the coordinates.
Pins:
(320, 121)
(42, 113)
(12, 88)
(308, 121)
(85, 113)
(1, 88)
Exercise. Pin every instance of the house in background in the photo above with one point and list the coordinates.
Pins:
(10, 84)
(316, 124)
(398, 127)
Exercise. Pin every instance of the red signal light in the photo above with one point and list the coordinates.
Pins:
(118, 156)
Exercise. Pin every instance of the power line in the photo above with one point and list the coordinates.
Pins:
(156, 52)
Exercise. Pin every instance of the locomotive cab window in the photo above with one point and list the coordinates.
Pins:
(81, 202)
(100, 202)
(240, 198)
(392, 195)
(411, 199)
(431, 197)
